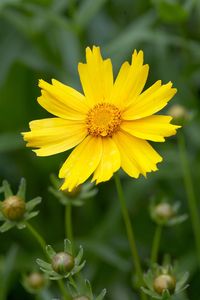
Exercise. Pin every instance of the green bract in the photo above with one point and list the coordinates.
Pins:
(165, 213)
(83, 291)
(50, 270)
(76, 197)
(163, 281)
(14, 210)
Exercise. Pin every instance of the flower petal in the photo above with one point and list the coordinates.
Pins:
(81, 163)
(109, 163)
(54, 135)
(150, 101)
(137, 156)
(62, 100)
(96, 76)
(130, 80)
(153, 128)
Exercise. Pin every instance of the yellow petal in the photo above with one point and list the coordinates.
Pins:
(54, 135)
(109, 163)
(153, 128)
(96, 76)
(62, 101)
(81, 163)
(150, 101)
(137, 156)
(130, 80)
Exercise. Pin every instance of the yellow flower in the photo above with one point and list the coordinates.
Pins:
(108, 125)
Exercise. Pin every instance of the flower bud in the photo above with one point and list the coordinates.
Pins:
(164, 282)
(62, 263)
(164, 211)
(13, 208)
(179, 113)
(81, 298)
(36, 281)
(74, 193)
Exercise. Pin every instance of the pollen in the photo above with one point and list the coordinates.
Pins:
(103, 120)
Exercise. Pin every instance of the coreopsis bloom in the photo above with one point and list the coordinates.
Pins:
(108, 125)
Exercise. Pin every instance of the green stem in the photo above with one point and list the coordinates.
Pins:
(130, 234)
(156, 244)
(42, 243)
(37, 236)
(63, 290)
(68, 224)
(192, 201)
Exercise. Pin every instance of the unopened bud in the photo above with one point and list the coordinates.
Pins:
(62, 263)
(164, 211)
(36, 281)
(13, 208)
(164, 282)
(179, 113)
(74, 193)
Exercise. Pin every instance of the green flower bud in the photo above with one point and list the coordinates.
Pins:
(62, 263)
(74, 193)
(36, 281)
(81, 298)
(164, 282)
(179, 113)
(164, 211)
(13, 208)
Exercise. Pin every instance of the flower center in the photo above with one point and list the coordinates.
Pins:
(103, 119)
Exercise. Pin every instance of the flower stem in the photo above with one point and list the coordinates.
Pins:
(68, 224)
(156, 243)
(42, 243)
(37, 236)
(189, 187)
(130, 234)
(63, 290)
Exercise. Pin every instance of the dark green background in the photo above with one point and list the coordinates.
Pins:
(46, 39)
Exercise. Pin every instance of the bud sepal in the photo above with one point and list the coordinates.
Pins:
(62, 264)
(14, 210)
(82, 290)
(163, 281)
(165, 213)
(76, 197)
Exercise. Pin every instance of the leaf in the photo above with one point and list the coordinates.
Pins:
(171, 12)
(87, 10)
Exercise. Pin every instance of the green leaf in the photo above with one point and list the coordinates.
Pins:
(87, 10)
(171, 12)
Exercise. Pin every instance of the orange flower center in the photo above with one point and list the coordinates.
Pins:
(103, 119)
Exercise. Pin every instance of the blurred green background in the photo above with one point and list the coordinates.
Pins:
(46, 39)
